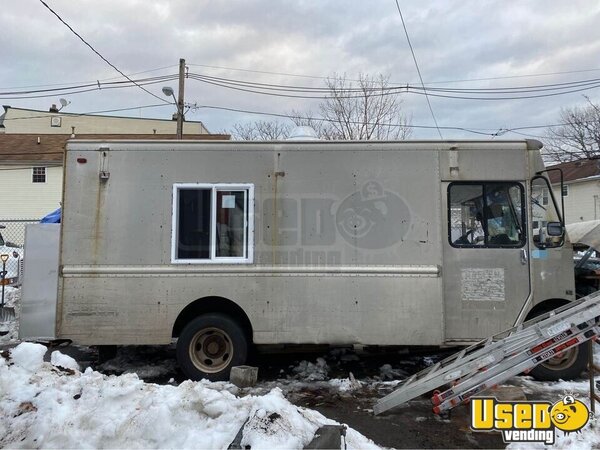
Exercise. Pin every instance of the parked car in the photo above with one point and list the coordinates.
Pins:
(587, 275)
(12, 277)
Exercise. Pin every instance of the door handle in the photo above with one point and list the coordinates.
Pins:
(523, 256)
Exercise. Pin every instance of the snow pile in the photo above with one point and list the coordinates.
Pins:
(586, 439)
(312, 372)
(345, 384)
(44, 406)
(28, 356)
(59, 360)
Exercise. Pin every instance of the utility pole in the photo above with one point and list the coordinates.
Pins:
(180, 99)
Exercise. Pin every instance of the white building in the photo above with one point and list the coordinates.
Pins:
(53, 121)
(31, 169)
(581, 181)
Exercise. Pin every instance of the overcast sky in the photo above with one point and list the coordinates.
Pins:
(453, 41)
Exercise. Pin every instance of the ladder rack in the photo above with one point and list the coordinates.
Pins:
(499, 357)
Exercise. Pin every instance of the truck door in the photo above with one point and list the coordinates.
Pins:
(486, 262)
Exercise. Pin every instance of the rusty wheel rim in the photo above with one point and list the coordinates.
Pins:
(211, 350)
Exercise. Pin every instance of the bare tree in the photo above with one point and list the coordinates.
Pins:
(261, 130)
(366, 109)
(363, 110)
(578, 138)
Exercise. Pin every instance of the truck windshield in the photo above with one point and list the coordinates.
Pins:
(486, 215)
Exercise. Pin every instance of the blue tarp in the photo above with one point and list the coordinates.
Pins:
(53, 217)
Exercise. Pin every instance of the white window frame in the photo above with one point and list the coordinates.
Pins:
(248, 223)
(565, 190)
(545, 196)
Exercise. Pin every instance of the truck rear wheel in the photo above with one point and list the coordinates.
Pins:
(566, 365)
(209, 346)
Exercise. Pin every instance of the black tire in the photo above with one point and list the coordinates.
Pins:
(209, 346)
(574, 362)
(566, 366)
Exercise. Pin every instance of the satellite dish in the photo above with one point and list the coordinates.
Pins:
(63, 102)
(168, 91)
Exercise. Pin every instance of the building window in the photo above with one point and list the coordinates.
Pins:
(486, 215)
(545, 196)
(213, 223)
(38, 175)
(565, 190)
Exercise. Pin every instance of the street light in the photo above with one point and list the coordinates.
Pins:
(169, 92)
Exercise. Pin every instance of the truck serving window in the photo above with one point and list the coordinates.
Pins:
(486, 215)
(212, 223)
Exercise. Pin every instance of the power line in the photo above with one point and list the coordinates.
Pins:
(282, 90)
(418, 70)
(97, 53)
(80, 90)
(322, 119)
(526, 134)
(98, 87)
(481, 131)
(503, 77)
(471, 94)
(291, 91)
(520, 97)
(88, 81)
(88, 84)
(403, 87)
(264, 72)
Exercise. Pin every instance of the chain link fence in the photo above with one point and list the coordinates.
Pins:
(14, 231)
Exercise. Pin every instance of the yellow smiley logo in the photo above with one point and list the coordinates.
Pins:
(569, 415)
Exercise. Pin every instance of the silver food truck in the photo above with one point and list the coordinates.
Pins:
(225, 245)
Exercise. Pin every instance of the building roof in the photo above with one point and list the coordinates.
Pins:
(575, 170)
(42, 148)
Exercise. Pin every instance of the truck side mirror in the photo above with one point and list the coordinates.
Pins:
(554, 229)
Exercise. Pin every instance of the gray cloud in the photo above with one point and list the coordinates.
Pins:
(453, 40)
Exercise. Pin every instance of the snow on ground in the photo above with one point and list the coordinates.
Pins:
(44, 405)
(312, 372)
(53, 404)
(587, 439)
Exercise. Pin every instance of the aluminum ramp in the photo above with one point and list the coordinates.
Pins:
(500, 357)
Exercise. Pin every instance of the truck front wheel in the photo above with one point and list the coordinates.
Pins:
(209, 346)
(566, 365)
